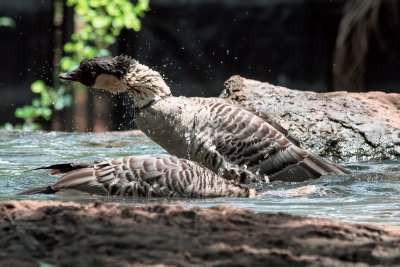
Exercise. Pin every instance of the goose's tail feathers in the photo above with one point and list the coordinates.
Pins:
(39, 190)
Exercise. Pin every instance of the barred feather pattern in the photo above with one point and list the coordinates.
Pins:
(145, 84)
(235, 141)
(146, 176)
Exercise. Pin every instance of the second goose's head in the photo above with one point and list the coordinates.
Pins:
(120, 74)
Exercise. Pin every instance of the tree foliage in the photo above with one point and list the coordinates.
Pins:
(97, 25)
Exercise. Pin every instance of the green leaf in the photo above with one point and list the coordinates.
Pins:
(7, 127)
(72, 2)
(109, 39)
(38, 86)
(101, 22)
(67, 63)
(94, 3)
(79, 46)
(118, 23)
(45, 99)
(62, 102)
(36, 103)
(112, 10)
(25, 112)
(90, 51)
(7, 22)
(82, 8)
(103, 53)
(69, 47)
(141, 7)
(44, 112)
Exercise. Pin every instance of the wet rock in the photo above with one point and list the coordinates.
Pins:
(99, 234)
(337, 125)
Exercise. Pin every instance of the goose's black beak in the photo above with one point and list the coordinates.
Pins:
(72, 75)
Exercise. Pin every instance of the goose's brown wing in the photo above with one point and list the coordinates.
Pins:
(266, 118)
(246, 138)
(146, 176)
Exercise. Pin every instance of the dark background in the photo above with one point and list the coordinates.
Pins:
(198, 44)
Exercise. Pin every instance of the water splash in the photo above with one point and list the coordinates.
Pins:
(370, 194)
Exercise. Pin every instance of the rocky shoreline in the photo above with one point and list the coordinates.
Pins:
(99, 234)
(338, 125)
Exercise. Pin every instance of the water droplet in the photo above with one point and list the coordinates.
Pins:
(187, 137)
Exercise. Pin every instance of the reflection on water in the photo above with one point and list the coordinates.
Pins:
(370, 194)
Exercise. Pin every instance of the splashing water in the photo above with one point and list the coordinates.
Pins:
(370, 194)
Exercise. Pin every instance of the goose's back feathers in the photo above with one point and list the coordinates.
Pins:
(233, 140)
(143, 176)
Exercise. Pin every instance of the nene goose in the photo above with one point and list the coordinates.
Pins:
(235, 141)
(142, 176)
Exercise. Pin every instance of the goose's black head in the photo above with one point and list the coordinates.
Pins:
(101, 72)
(120, 74)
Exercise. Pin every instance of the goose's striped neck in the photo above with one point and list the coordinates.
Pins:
(146, 85)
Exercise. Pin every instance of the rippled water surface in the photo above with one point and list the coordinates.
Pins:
(371, 194)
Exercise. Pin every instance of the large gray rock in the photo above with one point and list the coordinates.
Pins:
(338, 125)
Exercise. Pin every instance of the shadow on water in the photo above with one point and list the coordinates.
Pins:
(369, 194)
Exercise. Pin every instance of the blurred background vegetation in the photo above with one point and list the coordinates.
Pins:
(332, 45)
(97, 24)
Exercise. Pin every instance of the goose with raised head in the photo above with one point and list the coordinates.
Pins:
(235, 141)
(142, 176)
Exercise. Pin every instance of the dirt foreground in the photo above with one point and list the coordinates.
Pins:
(99, 234)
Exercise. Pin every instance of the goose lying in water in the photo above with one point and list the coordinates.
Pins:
(237, 142)
(142, 176)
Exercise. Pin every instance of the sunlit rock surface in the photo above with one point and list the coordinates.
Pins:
(337, 124)
(71, 234)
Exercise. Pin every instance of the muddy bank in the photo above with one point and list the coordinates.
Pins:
(338, 124)
(99, 234)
